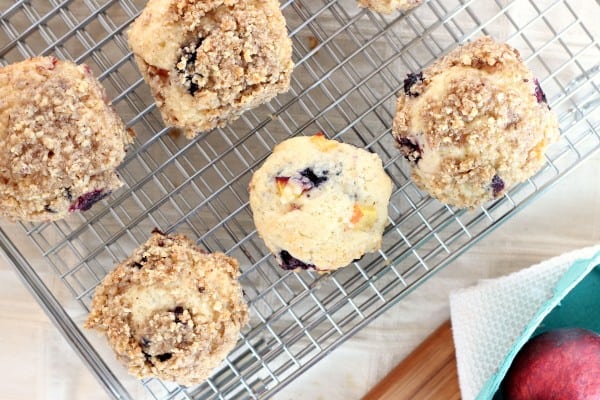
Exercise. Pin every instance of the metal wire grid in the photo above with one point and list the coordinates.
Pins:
(349, 68)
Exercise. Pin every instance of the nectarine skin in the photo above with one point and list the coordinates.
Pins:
(562, 364)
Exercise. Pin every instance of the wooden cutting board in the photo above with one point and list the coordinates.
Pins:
(428, 373)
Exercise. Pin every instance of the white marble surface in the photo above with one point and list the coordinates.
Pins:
(37, 363)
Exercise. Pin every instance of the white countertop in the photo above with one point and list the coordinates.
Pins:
(37, 363)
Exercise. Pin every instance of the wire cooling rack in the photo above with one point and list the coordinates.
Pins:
(350, 65)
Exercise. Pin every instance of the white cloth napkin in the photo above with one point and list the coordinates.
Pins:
(488, 318)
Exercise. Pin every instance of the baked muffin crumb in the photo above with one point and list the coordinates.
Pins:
(389, 6)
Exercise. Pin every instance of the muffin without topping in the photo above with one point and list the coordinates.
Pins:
(319, 204)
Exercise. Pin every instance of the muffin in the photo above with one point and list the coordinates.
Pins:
(171, 310)
(473, 124)
(320, 204)
(207, 62)
(62, 140)
(389, 6)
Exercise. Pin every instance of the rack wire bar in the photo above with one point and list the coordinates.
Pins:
(350, 66)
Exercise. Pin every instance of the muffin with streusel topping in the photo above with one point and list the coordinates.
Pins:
(61, 141)
(207, 62)
(171, 310)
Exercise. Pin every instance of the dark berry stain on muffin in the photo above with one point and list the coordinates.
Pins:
(188, 59)
(158, 231)
(410, 81)
(539, 93)
(49, 209)
(164, 357)
(140, 264)
(86, 201)
(177, 311)
(497, 185)
(359, 258)
(288, 262)
(307, 180)
(410, 149)
(148, 358)
(67, 193)
(145, 342)
(313, 178)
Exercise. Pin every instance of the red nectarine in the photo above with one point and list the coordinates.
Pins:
(562, 364)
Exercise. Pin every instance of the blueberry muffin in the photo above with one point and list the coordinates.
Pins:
(473, 124)
(209, 61)
(319, 204)
(170, 310)
(61, 141)
(389, 6)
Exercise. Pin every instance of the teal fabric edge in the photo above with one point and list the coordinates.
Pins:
(576, 272)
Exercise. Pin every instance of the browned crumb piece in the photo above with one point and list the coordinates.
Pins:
(313, 42)
(473, 124)
(170, 310)
(61, 141)
(209, 61)
(389, 6)
(175, 133)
